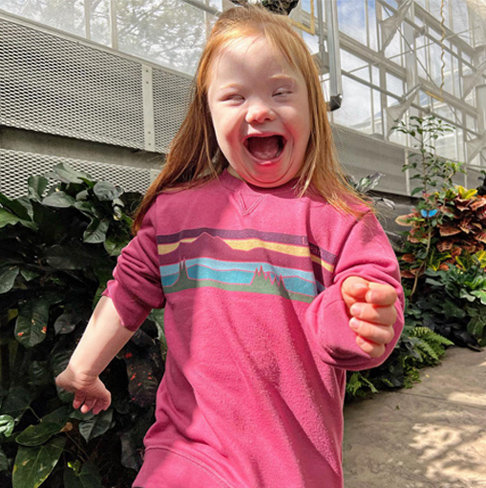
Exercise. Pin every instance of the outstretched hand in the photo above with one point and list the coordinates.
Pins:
(89, 392)
(371, 307)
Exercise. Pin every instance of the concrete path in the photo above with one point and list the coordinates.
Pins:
(430, 436)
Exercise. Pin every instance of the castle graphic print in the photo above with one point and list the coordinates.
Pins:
(243, 260)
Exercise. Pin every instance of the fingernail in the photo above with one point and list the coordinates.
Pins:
(354, 323)
(356, 309)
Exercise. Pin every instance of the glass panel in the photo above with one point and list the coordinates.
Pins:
(352, 19)
(424, 99)
(471, 122)
(355, 65)
(421, 3)
(372, 32)
(446, 145)
(394, 84)
(67, 15)
(421, 54)
(394, 49)
(460, 145)
(100, 22)
(460, 21)
(169, 32)
(435, 63)
(311, 41)
(434, 9)
(375, 75)
(377, 113)
(355, 111)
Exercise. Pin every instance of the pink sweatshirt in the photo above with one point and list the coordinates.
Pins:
(257, 332)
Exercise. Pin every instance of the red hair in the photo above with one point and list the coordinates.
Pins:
(194, 156)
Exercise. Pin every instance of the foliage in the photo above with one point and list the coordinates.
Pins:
(58, 246)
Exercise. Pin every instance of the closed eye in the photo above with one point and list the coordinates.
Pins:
(280, 93)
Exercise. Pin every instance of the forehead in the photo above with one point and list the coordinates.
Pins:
(251, 55)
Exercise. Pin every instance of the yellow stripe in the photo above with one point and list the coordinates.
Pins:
(322, 263)
(243, 245)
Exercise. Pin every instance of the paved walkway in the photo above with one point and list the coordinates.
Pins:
(430, 436)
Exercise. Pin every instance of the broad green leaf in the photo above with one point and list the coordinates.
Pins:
(89, 477)
(8, 218)
(3, 460)
(34, 464)
(96, 231)
(39, 374)
(31, 324)
(481, 294)
(37, 186)
(7, 278)
(35, 435)
(97, 426)
(17, 207)
(66, 257)
(114, 245)
(28, 274)
(106, 191)
(59, 199)
(7, 424)
(67, 174)
(66, 323)
(17, 402)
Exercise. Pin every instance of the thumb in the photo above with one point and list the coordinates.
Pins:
(354, 289)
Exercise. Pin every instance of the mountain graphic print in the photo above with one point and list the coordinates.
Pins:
(243, 260)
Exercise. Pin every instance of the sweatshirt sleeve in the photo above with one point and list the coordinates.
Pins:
(136, 287)
(368, 254)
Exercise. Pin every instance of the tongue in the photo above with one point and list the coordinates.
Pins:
(264, 147)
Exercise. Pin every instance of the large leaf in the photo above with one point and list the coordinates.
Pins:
(31, 324)
(96, 231)
(37, 186)
(66, 257)
(35, 435)
(88, 477)
(67, 174)
(59, 199)
(3, 460)
(17, 401)
(20, 208)
(7, 424)
(34, 464)
(39, 374)
(7, 278)
(106, 191)
(8, 218)
(67, 322)
(97, 426)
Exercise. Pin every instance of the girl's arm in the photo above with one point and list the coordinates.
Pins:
(103, 339)
(366, 273)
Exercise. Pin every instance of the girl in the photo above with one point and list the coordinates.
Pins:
(274, 276)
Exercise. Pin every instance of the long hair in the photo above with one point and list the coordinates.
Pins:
(194, 156)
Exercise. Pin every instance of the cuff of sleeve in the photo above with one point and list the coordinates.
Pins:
(131, 311)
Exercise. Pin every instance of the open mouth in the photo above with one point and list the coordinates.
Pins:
(265, 148)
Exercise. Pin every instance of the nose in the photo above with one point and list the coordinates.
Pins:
(259, 112)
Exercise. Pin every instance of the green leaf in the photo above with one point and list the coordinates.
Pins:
(59, 199)
(3, 460)
(96, 231)
(17, 402)
(7, 278)
(36, 187)
(89, 477)
(97, 426)
(28, 274)
(67, 174)
(31, 324)
(66, 323)
(8, 218)
(7, 424)
(35, 435)
(17, 207)
(481, 294)
(106, 191)
(114, 245)
(34, 464)
(39, 374)
(66, 257)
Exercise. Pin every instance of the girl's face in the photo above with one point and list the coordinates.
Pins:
(260, 111)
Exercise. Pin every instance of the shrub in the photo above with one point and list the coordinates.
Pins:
(58, 246)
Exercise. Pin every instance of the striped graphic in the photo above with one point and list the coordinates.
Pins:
(246, 260)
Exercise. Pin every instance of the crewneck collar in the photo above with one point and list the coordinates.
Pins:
(235, 184)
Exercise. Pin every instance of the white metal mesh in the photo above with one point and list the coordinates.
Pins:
(59, 86)
(171, 98)
(16, 167)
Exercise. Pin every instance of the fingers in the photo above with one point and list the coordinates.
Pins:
(381, 294)
(374, 350)
(376, 334)
(381, 315)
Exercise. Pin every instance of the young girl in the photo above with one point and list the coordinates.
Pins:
(275, 277)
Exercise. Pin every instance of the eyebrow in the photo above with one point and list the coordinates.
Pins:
(279, 77)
